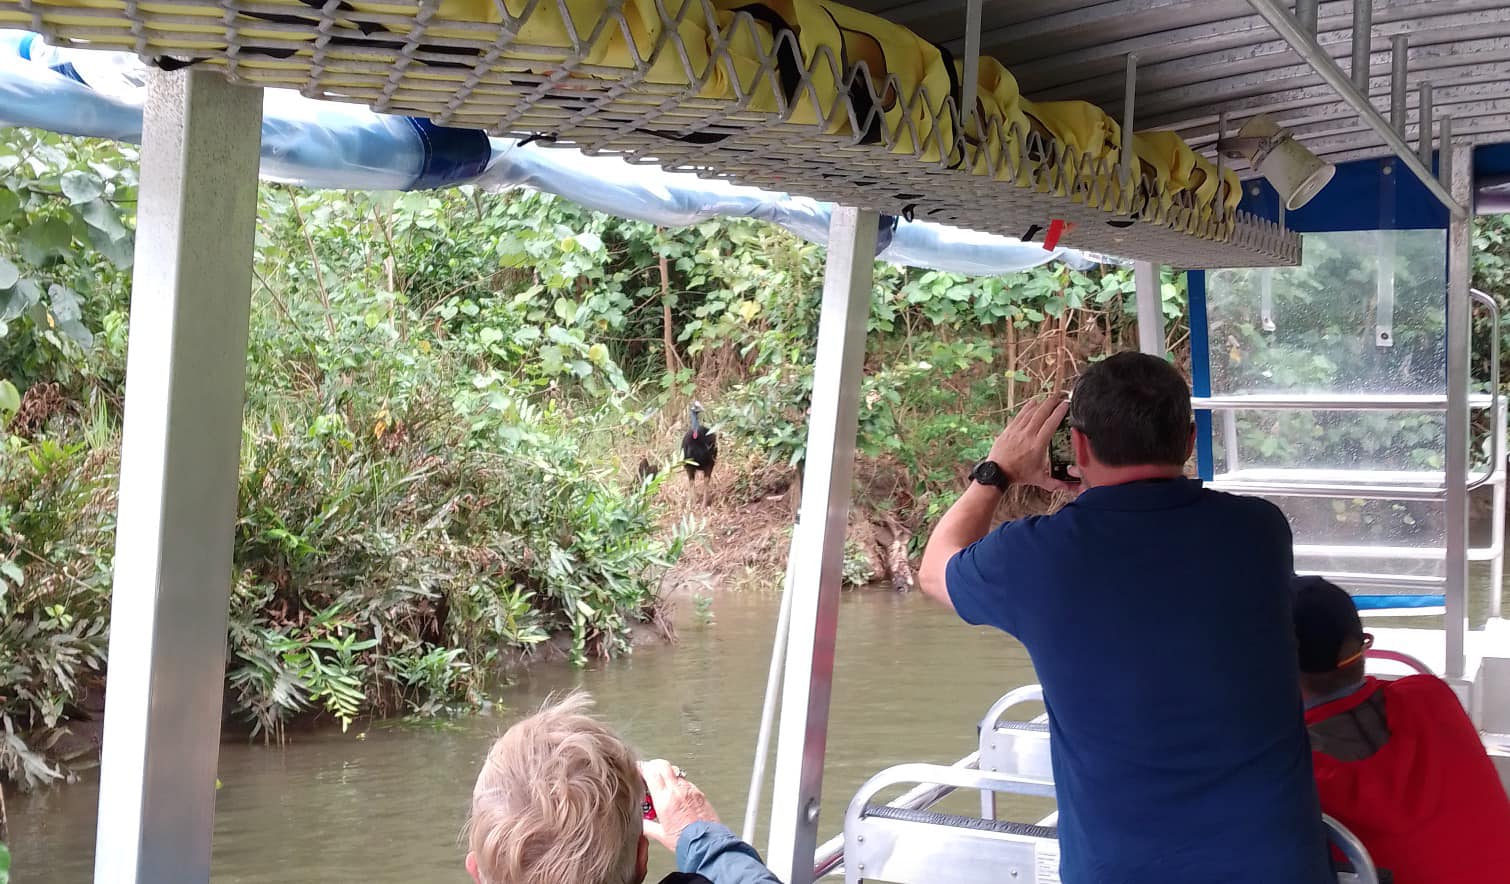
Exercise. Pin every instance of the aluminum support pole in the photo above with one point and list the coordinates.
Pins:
(1307, 12)
(1363, 38)
(1399, 73)
(819, 544)
(1444, 162)
(1307, 48)
(1424, 126)
(1150, 307)
(180, 451)
(772, 697)
(1129, 156)
(1459, 270)
(1497, 527)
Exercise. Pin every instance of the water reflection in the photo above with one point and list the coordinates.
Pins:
(911, 683)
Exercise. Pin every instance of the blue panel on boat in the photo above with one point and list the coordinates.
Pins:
(1363, 196)
(1398, 602)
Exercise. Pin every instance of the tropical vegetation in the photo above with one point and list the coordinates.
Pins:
(447, 397)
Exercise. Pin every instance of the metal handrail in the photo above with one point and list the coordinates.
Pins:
(1333, 402)
(1399, 657)
(1496, 411)
(1027, 694)
(830, 854)
(1352, 850)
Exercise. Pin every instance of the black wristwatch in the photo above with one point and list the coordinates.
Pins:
(988, 473)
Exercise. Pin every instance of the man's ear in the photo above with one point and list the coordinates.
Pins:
(1081, 445)
(1190, 445)
(642, 860)
(472, 867)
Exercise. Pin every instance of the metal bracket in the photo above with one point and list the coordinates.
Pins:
(1384, 296)
(1266, 299)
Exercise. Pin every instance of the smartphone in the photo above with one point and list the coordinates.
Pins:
(1062, 454)
(647, 809)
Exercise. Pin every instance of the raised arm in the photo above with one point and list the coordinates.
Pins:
(1022, 453)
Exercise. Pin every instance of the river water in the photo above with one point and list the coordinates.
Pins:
(385, 803)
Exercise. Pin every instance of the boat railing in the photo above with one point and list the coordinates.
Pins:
(903, 845)
(830, 855)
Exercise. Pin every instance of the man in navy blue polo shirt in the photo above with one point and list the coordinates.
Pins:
(1157, 614)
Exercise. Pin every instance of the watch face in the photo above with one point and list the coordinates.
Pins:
(988, 473)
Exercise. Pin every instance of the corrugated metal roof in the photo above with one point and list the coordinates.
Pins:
(1198, 58)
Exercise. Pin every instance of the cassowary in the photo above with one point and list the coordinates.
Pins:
(647, 470)
(699, 451)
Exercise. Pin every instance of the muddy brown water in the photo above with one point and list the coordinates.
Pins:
(385, 803)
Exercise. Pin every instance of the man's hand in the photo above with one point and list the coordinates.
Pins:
(678, 803)
(1022, 449)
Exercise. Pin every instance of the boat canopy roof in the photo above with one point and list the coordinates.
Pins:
(1199, 58)
(1091, 124)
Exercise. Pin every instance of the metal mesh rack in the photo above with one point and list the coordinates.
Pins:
(686, 85)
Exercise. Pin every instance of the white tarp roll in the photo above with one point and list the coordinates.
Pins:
(329, 145)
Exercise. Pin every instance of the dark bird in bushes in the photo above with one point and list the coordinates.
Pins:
(699, 451)
(647, 469)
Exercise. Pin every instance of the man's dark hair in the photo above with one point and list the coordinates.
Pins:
(1327, 629)
(1135, 410)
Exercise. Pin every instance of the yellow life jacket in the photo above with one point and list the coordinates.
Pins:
(1000, 125)
(834, 41)
(1085, 138)
(1165, 162)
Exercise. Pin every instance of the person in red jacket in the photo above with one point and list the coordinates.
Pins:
(1397, 762)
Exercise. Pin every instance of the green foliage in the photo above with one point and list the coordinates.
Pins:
(857, 568)
(441, 389)
(65, 254)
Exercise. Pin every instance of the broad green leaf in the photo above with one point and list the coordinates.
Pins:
(10, 203)
(44, 239)
(597, 354)
(81, 187)
(10, 399)
(78, 333)
(102, 216)
(9, 275)
(120, 251)
(589, 241)
(21, 297)
(12, 571)
(64, 303)
(489, 336)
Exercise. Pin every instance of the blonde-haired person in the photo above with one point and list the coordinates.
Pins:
(560, 800)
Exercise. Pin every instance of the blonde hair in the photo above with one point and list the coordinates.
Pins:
(558, 801)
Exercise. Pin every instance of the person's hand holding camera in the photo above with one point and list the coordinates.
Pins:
(677, 802)
(1022, 449)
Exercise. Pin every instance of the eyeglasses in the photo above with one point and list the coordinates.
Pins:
(1368, 642)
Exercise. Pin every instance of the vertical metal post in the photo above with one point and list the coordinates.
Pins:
(1306, 15)
(1363, 41)
(1384, 288)
(772, 695)
(180, 453)
(1424, 126)
(971, 71)
(1129, 157)
(1444, 159)
(1150, 307)
(1459, 271)
(1399, 72)
(1497, 527)
(1229, 440)
(819, 543)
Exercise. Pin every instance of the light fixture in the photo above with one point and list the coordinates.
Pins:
(1274, 153)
